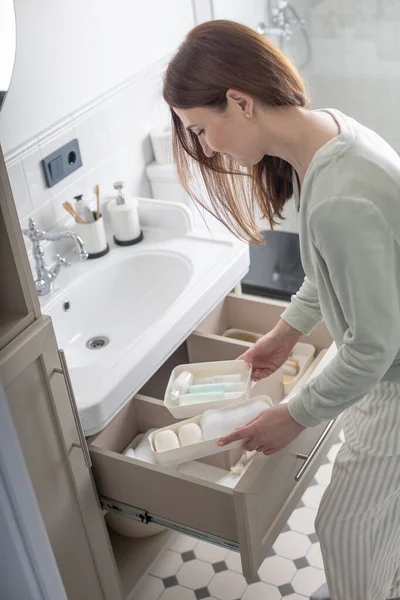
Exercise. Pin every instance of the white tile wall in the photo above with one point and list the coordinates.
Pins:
(114, 143)
(20, 188)
(348, 73)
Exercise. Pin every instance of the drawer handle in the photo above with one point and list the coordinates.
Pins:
(308, 458)
(83, 445)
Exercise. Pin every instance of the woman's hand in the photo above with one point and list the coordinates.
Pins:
(271, 351)
(271, 431)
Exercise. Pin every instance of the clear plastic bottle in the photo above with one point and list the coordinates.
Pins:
(181, 385)
(83, 210)
(233, 378)
(217, 387)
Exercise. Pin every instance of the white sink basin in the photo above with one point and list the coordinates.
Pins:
(138, 303)
(115, 306)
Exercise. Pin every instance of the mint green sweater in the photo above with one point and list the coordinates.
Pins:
(349, 210)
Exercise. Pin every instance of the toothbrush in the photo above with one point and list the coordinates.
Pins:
(96, 191)
(69, 208)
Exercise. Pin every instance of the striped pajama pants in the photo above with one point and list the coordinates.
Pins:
(358, 522)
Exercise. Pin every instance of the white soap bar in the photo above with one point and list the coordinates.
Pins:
(190, 434)
(166, 440)
(218, 423)
(130, 452)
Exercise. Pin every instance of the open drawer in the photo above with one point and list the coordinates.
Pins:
(252, 313)
(203, 499)
(258, 315)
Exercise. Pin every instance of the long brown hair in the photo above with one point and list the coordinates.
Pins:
(214, 57)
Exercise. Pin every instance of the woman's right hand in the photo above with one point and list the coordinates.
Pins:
(271, 351)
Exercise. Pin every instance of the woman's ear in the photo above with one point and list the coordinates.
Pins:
(241, 101)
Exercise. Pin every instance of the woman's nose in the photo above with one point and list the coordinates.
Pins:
(206, 149)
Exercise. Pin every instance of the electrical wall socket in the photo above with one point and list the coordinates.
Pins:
(62, 162)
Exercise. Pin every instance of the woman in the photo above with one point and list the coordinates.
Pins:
(241, 118)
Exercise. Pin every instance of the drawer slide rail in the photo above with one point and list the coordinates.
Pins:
(142, 516)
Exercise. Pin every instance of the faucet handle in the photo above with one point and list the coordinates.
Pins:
(33, 233)
(62, 261)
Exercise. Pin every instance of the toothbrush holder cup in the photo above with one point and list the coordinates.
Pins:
(94, 237)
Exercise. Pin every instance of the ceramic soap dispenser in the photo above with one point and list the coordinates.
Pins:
(124, 218)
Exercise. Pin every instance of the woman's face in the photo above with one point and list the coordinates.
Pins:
(229, 132)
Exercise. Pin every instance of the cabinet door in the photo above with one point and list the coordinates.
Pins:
(54, 453)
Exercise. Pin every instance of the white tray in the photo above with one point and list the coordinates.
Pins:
(195, 451)
(208, 369)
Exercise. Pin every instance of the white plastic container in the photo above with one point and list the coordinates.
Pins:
(165, 185)
(201, 449)
(94, 237)
(208, 369)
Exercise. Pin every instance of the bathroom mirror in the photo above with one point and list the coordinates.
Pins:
(7, 45)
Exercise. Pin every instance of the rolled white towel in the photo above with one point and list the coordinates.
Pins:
(130, 453)
(218, 423)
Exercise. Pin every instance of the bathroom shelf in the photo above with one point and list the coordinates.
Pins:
(12, 324)
(134, 556)
(19, 304)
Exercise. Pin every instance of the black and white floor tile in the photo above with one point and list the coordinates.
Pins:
(188, 569)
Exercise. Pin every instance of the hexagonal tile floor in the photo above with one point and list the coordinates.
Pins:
(194, 570)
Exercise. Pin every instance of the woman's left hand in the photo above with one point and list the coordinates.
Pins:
(271, 431)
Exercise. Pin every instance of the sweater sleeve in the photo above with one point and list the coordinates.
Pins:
(357, 252)
(304, 313)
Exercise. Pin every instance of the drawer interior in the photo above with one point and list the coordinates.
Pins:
(259, 315)
(209, 480)
(245, 511)
(197, 495)
(203, 498)
(147, 411)
(143, 413)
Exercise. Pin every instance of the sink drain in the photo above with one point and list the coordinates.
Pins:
(98, 342)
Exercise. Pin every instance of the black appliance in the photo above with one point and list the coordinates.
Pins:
(275, 267)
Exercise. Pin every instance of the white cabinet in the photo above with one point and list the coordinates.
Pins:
(54, 451)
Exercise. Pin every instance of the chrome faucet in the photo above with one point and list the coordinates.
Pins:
(282, 18)
(46, 275)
